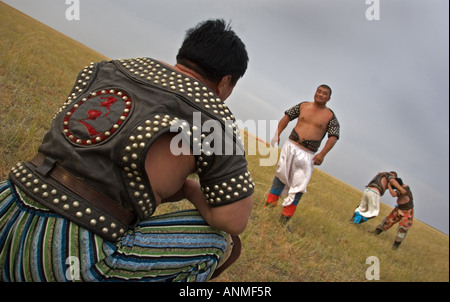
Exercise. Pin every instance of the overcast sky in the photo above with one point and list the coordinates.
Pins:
(389, 76)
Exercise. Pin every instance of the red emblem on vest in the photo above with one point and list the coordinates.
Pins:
(97, 117)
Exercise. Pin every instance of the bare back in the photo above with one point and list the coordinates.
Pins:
(167, 172)
(404, 198)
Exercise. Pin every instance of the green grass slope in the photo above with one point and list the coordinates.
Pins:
(37, 68)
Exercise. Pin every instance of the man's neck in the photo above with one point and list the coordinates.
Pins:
(193, 74)
(319, 105)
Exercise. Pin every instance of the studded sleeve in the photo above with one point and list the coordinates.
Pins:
(224, 178)
(334, 127)
(293, 112)
(227, 181)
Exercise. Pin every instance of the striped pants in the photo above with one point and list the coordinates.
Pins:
(39, 245)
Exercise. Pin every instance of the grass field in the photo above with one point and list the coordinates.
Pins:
(37, 68)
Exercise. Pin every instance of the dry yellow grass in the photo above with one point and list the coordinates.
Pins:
(37, 68)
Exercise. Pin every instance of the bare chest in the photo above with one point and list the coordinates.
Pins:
(314, 117)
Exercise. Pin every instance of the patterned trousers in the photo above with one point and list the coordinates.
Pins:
(403, 217)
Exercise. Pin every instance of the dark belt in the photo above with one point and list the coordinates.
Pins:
(308, 144)
(69, 196)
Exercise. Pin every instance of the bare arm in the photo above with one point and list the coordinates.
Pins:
(319, 157)
(391, 190)
(281, 126)
(231, 218)
(397, 186)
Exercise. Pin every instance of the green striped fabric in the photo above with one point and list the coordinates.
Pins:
(39, 245)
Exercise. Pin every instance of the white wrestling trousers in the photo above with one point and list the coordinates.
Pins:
(294, 169)
(370, 204)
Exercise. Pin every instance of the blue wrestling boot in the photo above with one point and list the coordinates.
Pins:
(357, 218)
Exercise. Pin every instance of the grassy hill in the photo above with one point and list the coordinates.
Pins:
(37, 68)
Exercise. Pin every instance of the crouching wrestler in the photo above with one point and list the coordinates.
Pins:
(89, 194)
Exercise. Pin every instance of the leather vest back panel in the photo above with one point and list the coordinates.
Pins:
(115, 112)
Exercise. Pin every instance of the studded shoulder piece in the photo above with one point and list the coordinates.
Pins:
(293, 112)
(82, 83)
(333, 127)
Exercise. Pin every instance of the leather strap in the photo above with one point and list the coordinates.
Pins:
(48, 167)
(235, 253)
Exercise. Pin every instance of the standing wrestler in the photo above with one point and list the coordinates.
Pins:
(369, 206)
(298, 155)
(403, 213)
(106, 164)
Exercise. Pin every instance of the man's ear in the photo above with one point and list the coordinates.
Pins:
(224, 86)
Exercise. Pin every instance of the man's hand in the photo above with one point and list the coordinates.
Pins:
(275, 140)
(318, 159)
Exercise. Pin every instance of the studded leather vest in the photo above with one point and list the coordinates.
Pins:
(377, 181)
(104, 130)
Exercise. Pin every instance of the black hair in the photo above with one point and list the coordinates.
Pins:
(326, 86)
(214, 50)
(399, 180)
